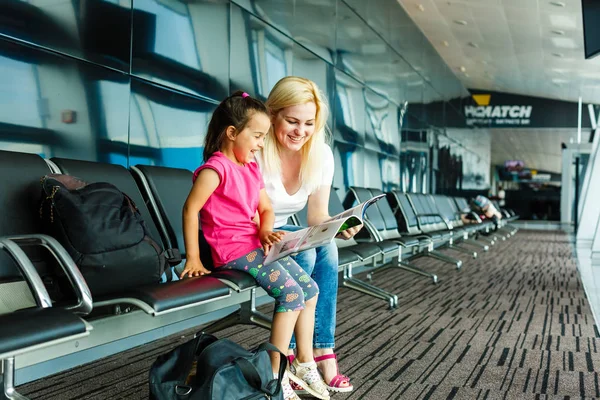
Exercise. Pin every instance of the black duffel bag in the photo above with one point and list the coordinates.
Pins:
(224, 371)
(104, 232)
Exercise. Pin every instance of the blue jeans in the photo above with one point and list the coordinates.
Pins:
(322, 265)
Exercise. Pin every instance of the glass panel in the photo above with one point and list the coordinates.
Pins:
(376, 13)
(78, 28)
(349, 105)
(319, 34)
(373, 164)
(381, 124)
(308, 65)
(60, 107)
(183, 45)
(262, 54)
(167, 128)
(349, 166)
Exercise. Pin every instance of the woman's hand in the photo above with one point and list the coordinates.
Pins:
(267, 238)
(193, 268)
(350, 232)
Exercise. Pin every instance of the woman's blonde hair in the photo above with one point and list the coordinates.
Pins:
(292, 91)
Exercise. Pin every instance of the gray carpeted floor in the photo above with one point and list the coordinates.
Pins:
(513, 324)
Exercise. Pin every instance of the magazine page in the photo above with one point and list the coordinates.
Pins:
(319, 235)
(288, 245)
(295, 242)
(357, 213)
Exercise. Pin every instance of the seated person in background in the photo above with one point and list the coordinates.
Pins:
(228, 191)
(482, 206)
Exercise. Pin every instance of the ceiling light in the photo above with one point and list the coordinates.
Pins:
(558, 55)
(558, 32)
(563, 21)
(462, 68)
(565, 43)
(475, 45)
(421, 7)
(445, 43)
(460, 22)
(558, 3)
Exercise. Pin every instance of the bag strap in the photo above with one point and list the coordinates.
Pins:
(173, 258)
(252, 376)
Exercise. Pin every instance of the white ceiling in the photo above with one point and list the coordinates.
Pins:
(528, 47)
(538, 148)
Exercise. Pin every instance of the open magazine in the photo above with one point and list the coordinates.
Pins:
(319, 235)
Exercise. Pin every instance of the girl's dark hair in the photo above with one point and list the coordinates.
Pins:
(236, 111)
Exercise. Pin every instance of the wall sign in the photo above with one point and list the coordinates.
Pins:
(487, 109)
(493, 115)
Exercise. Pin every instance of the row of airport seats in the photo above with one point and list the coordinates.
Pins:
(406, 226)
(37, 325)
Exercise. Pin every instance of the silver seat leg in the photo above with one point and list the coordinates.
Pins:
(474, 242)
(8, 381)
(443, 257)
(463, 250)
(351, 282)
(405, 265)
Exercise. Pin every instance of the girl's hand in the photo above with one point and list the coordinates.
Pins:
(267, 238)
(193, 268)
(350, 232)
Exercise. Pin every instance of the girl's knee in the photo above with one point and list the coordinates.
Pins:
(291, 298)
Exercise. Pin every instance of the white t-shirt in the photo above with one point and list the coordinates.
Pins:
(286, 205)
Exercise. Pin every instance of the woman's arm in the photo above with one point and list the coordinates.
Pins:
(206, 183)
(318, 206)
(267, 219)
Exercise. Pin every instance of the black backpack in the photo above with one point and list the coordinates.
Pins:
(103, 231)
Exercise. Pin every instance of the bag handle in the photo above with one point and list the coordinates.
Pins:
(252, 376)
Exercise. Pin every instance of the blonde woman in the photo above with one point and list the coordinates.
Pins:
(297, 166)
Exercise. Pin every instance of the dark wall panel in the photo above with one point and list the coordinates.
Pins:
(78, 28)
(184, 45)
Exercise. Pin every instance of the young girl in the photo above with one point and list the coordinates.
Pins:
(228, 191)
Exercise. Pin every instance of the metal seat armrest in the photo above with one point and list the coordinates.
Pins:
(29, 272)
(82, 291)
(372, 230)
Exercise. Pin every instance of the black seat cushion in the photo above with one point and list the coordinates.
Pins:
(33, 326)
(408, 241)
(186, 292)
(388, 245)
(365, 250)
(240, 279)
(346, 256)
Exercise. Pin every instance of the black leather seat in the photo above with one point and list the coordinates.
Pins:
(161, 298)
(34, 326)
(382, 218)
(165, 190)
(347, 257)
